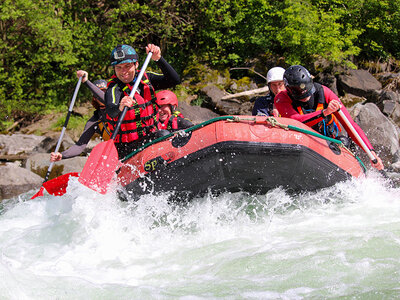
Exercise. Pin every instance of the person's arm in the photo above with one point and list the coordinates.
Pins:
(283, 104)
(84, 139)
(113, 96)
(169, 77)
(357, 128)
(334, 104)
(96, 91)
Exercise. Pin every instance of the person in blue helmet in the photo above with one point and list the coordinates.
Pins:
(140, 123)
(96, 124)
(264, 106)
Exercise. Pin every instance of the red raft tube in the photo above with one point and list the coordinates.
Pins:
(238, 153)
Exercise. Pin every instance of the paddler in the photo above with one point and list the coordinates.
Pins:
(169, 117)
(140, 123)
(96, 124)
(316, 106)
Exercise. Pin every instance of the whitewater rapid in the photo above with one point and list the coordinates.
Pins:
(343, 241)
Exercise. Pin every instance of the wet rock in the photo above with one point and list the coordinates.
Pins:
(196, 114)
(48, 144)
(381, 132)
(39, 163)
(360, 83)
(17, 144)
(232, 106)
(15, 180)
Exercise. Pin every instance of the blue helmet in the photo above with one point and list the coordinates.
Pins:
(123, 54)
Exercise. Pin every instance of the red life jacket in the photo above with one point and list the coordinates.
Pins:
(141, 118)
(328, 126)
(170, 124)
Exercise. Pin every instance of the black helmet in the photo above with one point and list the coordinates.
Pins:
(298, 82)
(100, 83)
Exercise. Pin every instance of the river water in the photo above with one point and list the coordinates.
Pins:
(340, 242)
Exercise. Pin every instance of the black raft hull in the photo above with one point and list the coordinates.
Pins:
(261, 161)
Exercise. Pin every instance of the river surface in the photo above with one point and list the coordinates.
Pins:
(341, 242)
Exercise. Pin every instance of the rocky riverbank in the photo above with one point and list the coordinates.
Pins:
(373, 101)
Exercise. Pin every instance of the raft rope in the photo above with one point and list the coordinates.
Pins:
(180, 132)
(269, 120)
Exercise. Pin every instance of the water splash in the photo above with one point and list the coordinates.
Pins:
(342, 241)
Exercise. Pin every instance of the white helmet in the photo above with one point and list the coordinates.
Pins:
(275, 74)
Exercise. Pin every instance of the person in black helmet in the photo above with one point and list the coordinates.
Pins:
(316, 105)
(95, 124)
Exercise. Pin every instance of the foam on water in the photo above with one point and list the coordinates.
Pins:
(340, 241)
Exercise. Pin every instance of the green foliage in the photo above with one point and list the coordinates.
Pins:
(314, 32)
(44, 42)
(75, 122)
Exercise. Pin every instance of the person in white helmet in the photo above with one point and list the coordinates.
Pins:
(264, 106)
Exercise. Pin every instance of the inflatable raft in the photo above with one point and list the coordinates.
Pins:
(236, 153)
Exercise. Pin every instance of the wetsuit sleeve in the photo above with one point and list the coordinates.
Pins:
(88, 132)
(184, 123)
(113, 96)
(168, 79)
(283, 104)
(96, 91)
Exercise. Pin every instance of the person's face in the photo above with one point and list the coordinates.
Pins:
(126, 72)
(164, 112)
(276, 87)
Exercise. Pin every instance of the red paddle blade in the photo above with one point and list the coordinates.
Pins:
(100, 167)
(39, 193)
(56, 186)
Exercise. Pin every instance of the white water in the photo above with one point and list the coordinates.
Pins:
(340, 242)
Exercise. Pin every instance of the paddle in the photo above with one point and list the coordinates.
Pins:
(100, 167)
(62, 180)
(361, 142)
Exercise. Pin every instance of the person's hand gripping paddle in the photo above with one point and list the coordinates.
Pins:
(58, 185)
(100, 167)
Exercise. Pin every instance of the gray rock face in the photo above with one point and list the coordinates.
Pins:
(359, 83)
(232, 106)
(50, 141)
(39, 163)
(382, 133)
(19, 143)
(196, 114)
(15, 180)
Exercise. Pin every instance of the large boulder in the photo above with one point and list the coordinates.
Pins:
(15, 180)
(49, 143)
(359, 83)
(382, 133)
(18, 144)
(39, 163)
(232, 106)
(196, 114)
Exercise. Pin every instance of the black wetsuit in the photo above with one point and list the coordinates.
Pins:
(169, 78)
